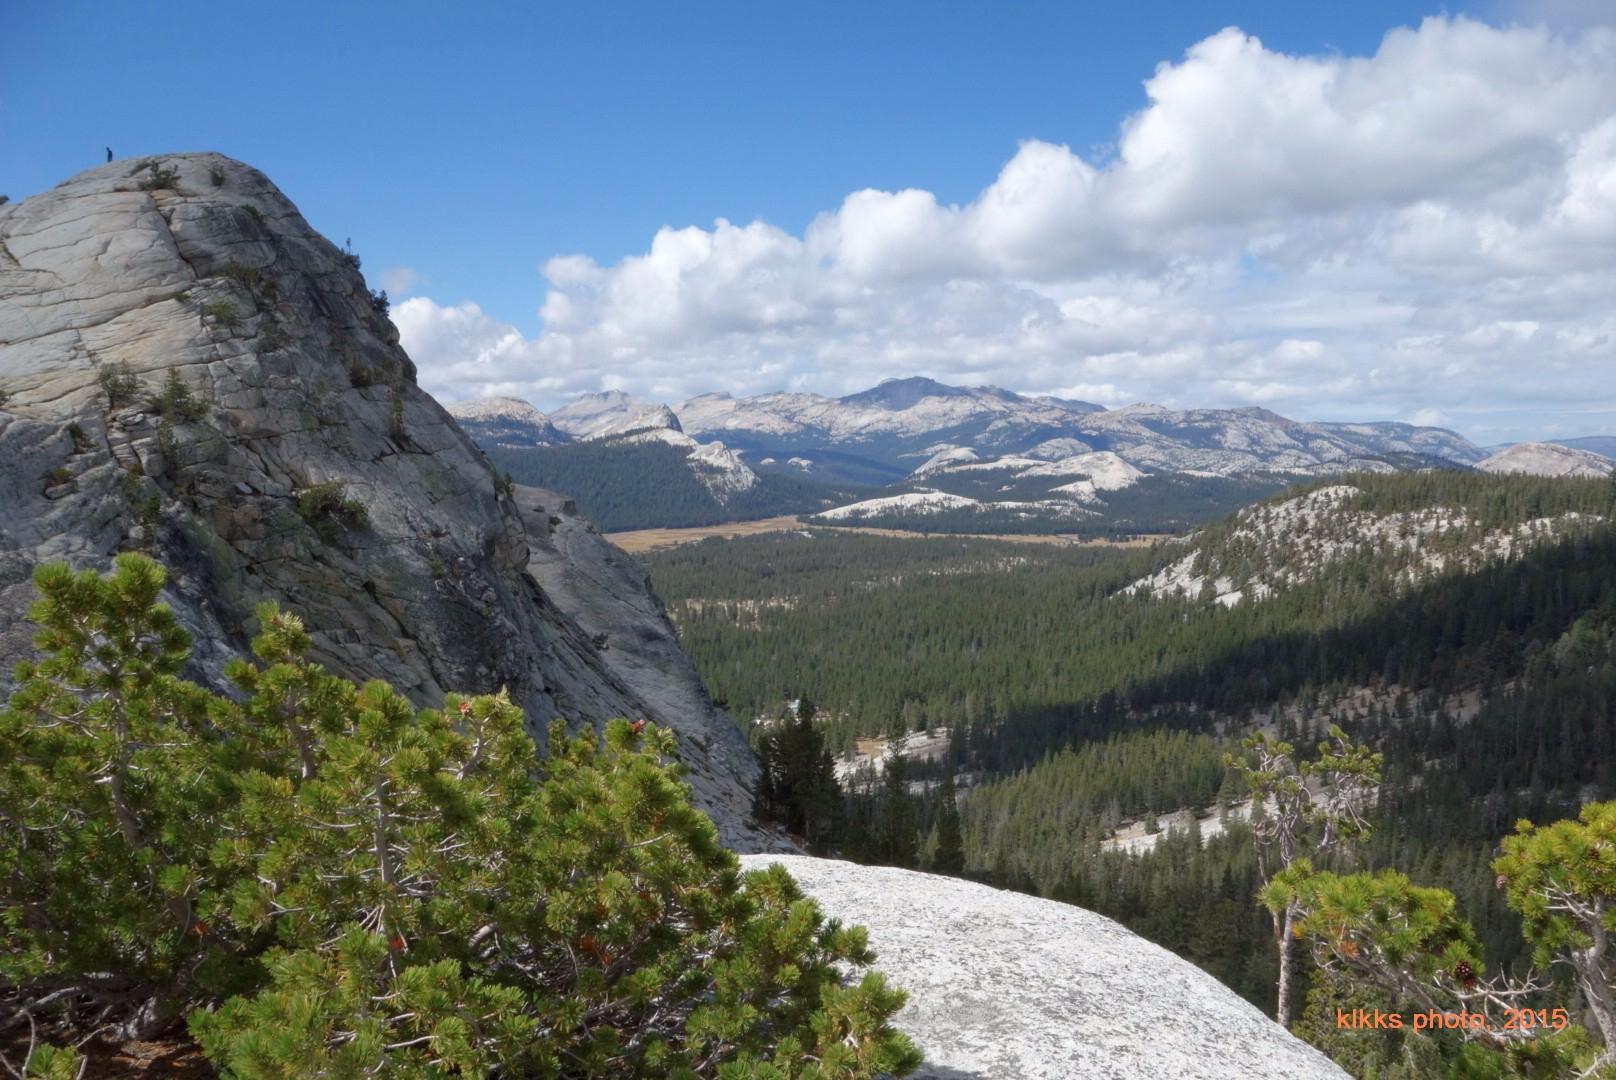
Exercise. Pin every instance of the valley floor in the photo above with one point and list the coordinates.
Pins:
(638, 541)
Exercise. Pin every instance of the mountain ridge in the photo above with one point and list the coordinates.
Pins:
(978, 459)
(903, 422)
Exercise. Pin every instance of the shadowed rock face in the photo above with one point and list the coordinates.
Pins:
(417, 569)
(1006, 985)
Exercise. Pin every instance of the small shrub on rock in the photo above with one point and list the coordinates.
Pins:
(177, 401)
(160, 177)
(168, 440)
(253, 277)
(326, 506)
(118, 383)
(360, 374)
(222, 313)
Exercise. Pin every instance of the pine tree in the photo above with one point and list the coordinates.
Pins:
(1560, 878)
(1327, 816)
(949, 857)
(900, 827)
(797, 780)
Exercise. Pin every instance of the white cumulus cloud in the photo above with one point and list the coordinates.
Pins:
(1426, 231)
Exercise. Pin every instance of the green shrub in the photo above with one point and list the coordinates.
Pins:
(253, 277)
(216, 176)
(331, 882)
(81, 441)
(59, 475)
(119, 383)
(327, 506)
(168, 442)
(395, 414)
(223, 313)
(161, 177)
(177, 401)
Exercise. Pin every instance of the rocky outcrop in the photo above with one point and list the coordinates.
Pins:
(1547, 459)
(1006, 985)
(610, 597)
(190, 370)
(507, 422)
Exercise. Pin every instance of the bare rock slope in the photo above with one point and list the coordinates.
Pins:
(1547, 459)
(1006, 985)
(270, 442)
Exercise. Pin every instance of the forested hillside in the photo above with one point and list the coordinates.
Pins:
(1041, 645)
(634, 486)
(1163, 503)
(1462, 624)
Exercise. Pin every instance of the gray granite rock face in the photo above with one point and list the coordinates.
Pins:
(1003, 985)
(421, 570)
(610, 597)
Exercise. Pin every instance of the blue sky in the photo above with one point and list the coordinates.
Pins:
(463, 148)
(473, 141)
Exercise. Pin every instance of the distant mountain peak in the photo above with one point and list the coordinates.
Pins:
(497, 408)
(589, 414)
(900, 394)
(654, 418)
(1547, 459)
(1267, 416)
(506, 421)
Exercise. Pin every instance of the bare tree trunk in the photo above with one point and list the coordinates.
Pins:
(1283, 926)
(383, 842)
(1590, 968)
(307, 766)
